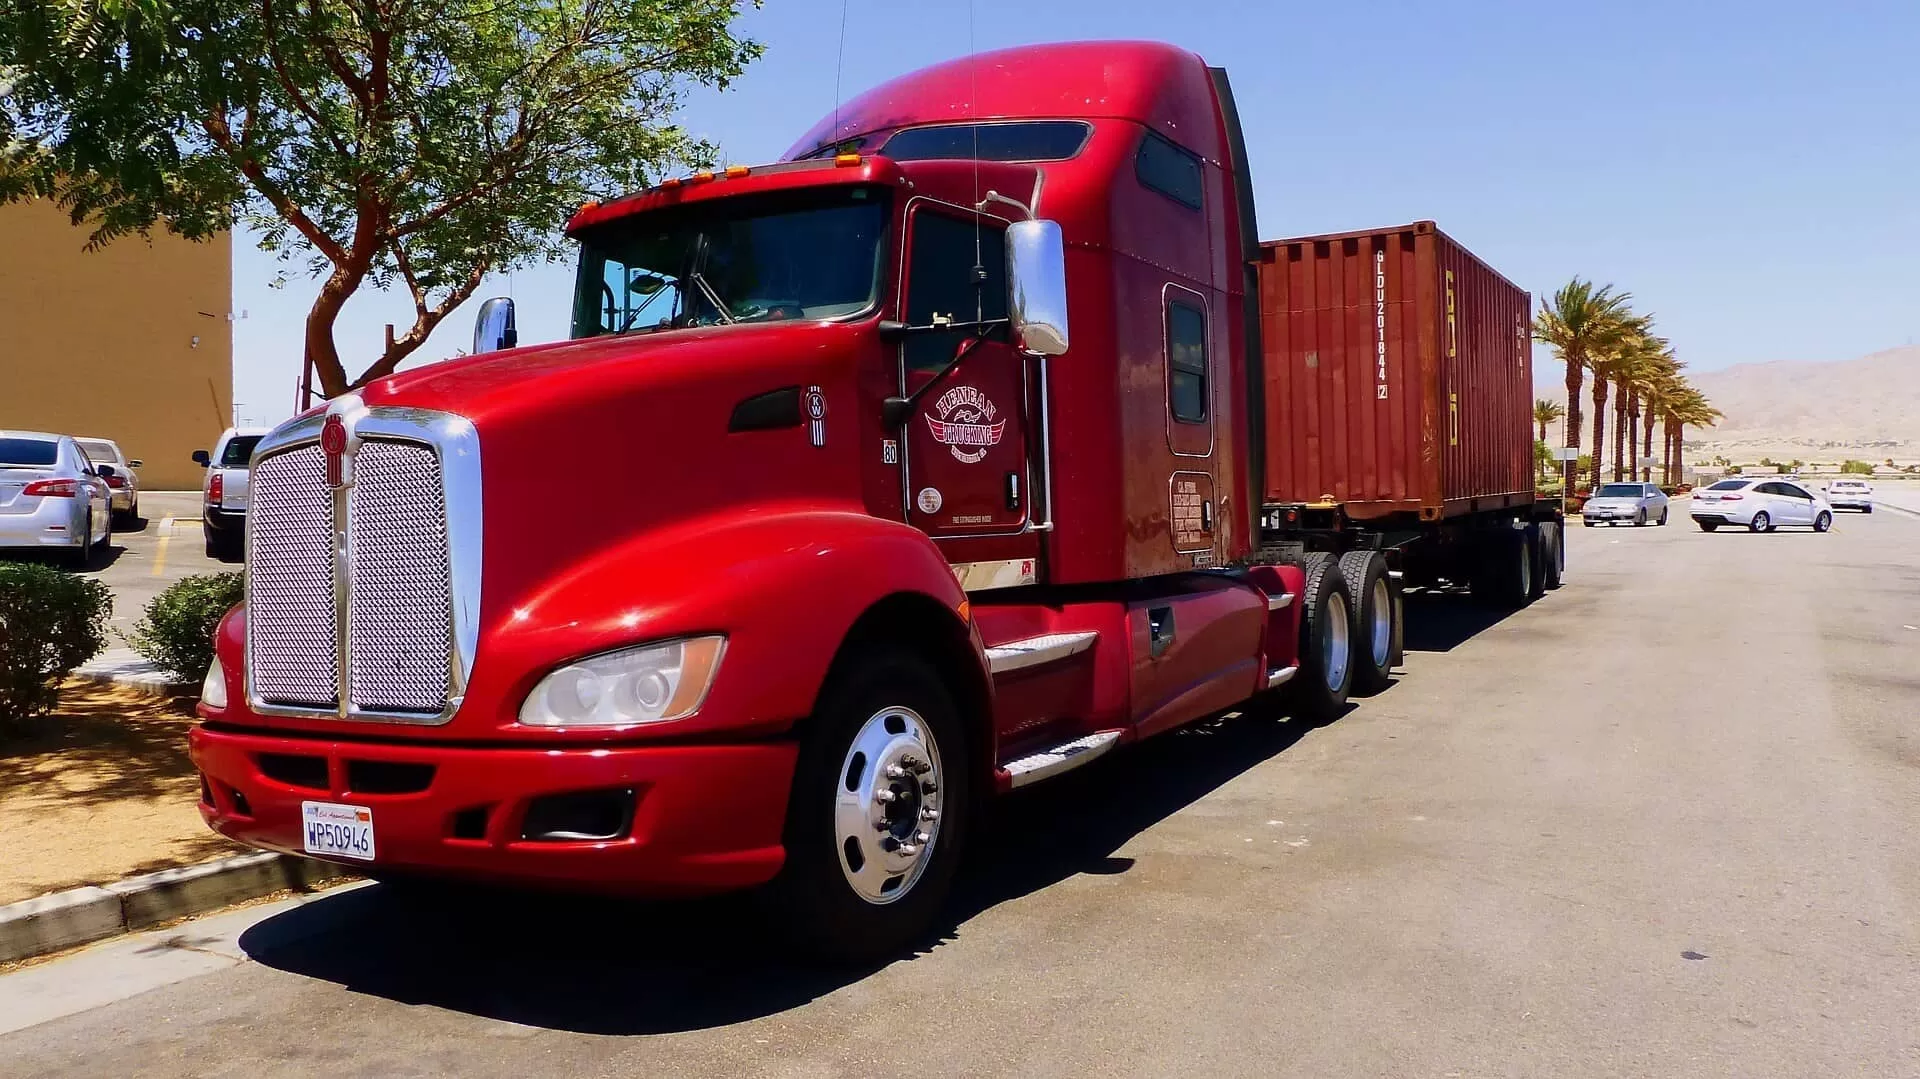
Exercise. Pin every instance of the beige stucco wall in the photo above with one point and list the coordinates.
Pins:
(102, 344)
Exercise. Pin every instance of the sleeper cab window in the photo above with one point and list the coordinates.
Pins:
(1186, 361)
(1166, 168)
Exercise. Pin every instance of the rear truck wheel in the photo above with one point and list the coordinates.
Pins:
(1708, 526)
(206, 536)
(1823, 522)
(230, 546)
(1376, 625)
(1318, 692)
(1539, 557)
(1504, 570)
(1760, 523)
(1553, 535)
(878, 812)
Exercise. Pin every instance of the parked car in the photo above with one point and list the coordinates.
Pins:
(118, 471)
(1760, 505)
(51, 496)
(1851, 494)
(223, 495)
(1619, 503)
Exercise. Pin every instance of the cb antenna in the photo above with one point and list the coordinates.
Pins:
(839, 65)
(973, 126)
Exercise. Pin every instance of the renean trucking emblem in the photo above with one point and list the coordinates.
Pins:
(333, 443)
(966, 426)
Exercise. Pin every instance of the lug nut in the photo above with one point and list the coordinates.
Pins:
(894, 771)
(884, 795)
(922, 837)
(907, 849)
(928, 813)
(919, 766)
(928, 786)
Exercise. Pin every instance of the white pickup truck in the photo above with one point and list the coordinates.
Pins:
(223, 494)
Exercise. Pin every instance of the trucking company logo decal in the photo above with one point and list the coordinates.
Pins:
(816, 416)
(1380, 324)
(966, 426)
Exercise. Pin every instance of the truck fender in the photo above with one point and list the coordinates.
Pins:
(787, 588)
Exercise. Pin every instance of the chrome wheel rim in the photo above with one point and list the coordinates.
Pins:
(1382, 622)
(1334, 642)
(886, 807)
(1526, 566)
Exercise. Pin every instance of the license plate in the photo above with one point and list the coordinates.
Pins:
(338, 831)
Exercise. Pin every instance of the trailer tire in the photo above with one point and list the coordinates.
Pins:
(1538, 560)
(1318, 692)
(1376, 627)
(1503, 569)
(1554, 538)
(887, 708)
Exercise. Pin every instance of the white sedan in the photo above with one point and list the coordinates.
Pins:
(1851, 494)
(1760, 505)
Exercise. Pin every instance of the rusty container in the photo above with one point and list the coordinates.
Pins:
(1398, 371)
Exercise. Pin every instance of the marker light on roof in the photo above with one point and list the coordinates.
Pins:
(846, 160)
(700, 178)
(670, 183)
(734, 172)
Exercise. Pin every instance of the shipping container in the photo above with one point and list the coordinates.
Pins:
(1398, 376)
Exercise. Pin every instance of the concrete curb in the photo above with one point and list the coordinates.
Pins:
(81, 915)
(124, 668)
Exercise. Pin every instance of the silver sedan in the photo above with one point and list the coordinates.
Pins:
(1625, 503)
(118, 471)
(50, 496)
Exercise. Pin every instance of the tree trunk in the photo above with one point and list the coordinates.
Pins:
(1576, 371)
(1622, 423)
(1647, 472)
(1600, 387)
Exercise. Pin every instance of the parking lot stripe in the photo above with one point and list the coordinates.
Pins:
(160, 550)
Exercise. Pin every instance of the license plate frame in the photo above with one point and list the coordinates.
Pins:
(337, 830)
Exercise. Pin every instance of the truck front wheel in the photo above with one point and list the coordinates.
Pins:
(877, 814)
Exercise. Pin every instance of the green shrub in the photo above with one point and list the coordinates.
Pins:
(50, 623)
(176, 633)
(1855, 468)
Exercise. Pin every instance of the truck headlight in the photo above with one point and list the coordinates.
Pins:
(213, 689)
(651, 683)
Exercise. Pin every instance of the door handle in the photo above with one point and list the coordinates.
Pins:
(1159, 629)
(1013, 492)
(1206, 515)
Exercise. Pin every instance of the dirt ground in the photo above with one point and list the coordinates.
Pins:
(101, 789)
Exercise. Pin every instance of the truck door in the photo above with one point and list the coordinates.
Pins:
(966, 464)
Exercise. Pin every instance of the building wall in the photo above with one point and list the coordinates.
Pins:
(103, 343)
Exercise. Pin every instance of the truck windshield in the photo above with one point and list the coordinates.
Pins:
(802, 255)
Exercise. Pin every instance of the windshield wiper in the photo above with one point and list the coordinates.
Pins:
(719, 306)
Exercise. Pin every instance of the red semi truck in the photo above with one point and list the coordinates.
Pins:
(882, 544)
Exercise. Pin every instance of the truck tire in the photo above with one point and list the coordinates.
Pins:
(1553, 534)
(1538, 559)
(1503, 569)
(1318, 692)
(1375, 628)
(883, 762)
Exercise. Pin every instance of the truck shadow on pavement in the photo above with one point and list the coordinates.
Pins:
(1443, 619)
(601, 966)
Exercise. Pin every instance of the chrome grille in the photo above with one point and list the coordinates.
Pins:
(400, 605)
(292, 628)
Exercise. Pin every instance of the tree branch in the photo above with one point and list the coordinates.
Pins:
(215, 125)
(425, 319)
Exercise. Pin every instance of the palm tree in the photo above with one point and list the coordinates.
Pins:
(1636, 365)
(1659, 390)
(1687, 408)
(1643, 384)
(1609, 363)
(1578, 321)
(1546, 412)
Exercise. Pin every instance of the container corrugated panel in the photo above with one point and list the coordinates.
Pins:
(1398, 375)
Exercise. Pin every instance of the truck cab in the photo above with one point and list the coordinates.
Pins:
(901, 535)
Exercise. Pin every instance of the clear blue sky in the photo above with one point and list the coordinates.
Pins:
(1750, 171)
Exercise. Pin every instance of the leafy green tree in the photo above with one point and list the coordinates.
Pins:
(371, 141)
(1856, 468)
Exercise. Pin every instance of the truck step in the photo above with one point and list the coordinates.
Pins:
(1064, 757)
(1275, 603)
(1279, 676)
(1034, 651)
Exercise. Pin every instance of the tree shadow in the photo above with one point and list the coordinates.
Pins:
(600, 966)
(100, 745)
(57, 557)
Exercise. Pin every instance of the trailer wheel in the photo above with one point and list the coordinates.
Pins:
(877, 815)
(1554, 538)
(1375, 628)
(1539, 558)
(1503, 570)
(1318, 693)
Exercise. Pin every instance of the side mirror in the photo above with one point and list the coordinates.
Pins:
(136, 463)
(105, 470)
(1037, 281)
(493, 328)
(200, 458)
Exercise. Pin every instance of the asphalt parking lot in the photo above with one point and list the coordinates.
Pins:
(1660, 823)
(164, 547)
